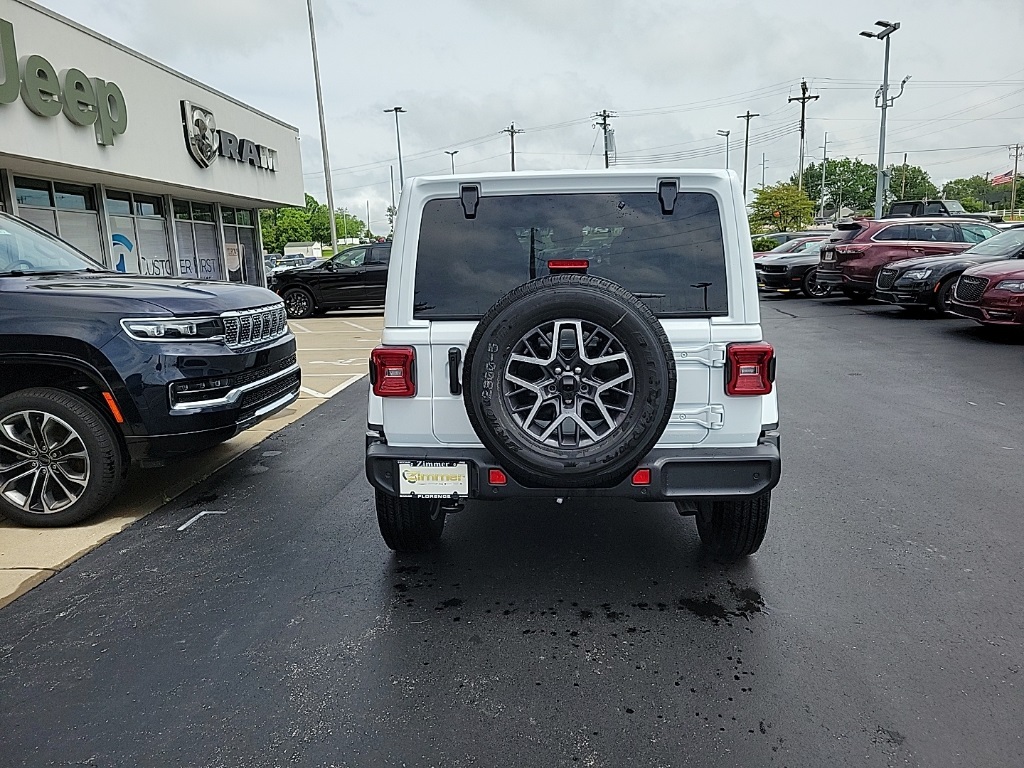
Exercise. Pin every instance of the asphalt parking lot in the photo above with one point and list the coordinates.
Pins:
(879, 625)
(333, 351)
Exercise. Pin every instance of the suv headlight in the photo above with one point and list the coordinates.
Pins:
(917, 274)
(1013, 286)
(174, 328)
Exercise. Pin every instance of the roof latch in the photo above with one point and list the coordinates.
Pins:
(667, 191)
(470, 196)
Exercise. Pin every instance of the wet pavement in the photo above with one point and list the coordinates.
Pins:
(879, 625)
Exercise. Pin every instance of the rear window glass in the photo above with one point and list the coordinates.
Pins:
(844, 233)
(673, 262)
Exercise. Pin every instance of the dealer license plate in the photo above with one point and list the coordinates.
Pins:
(433, 479)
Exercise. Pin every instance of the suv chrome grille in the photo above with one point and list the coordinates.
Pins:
(254, 326)
(886, 277)
(969, 289)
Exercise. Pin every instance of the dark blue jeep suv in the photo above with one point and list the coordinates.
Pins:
(101, 370)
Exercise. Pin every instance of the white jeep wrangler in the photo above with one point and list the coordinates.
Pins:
(573, 334)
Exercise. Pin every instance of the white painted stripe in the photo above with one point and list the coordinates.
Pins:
(193, 519)
(292, 324)
(331, 393)
(360, 327)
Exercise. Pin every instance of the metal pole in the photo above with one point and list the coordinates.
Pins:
(323, 130)
(368, 216)
(451, 154)
(762, 169)
(880, 174)
(824, 165)
(726, 135)
(746, 147)
(1013, 188)
(398, 138)
(392, 186)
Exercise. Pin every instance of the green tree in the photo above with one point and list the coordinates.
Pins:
(975, 188)
(268, 230)
(910, 183)
(293, 226)
(780, 208)
(848, 182)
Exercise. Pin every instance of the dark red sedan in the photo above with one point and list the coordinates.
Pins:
(992, 294)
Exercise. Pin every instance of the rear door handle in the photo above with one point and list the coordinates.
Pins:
(454, 363)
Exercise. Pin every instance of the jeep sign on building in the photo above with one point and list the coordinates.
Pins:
(135, 164)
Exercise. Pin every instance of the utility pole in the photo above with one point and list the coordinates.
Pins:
(511, 131)
(392, 186)
(452, 153)
(323, 130)
(763, 164)
(602, 118)
(824, 165)
(1015, 153)
(746, 147)
(368, 217)
(803, 98)
(903, 183)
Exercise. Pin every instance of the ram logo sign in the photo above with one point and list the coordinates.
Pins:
(206, 142)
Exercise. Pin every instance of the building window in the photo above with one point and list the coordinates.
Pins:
(138, 233)
(66, 210)
(240, 245)
(198, 241)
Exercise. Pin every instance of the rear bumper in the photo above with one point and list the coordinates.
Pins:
(830, 278)
(675, 473)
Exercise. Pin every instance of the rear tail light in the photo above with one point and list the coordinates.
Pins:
(749, 368)
(393, 371)
(849, 251)
(496, 477)
(568, 265)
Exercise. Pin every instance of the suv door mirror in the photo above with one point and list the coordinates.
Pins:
(329, 266)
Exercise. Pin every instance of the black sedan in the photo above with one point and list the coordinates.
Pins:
(355, 277)
(791, 272)
(929, 280)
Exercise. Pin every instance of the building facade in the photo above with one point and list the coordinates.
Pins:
(139, 166)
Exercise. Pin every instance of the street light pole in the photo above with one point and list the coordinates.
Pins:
(726, 135)
(323, 130)
(398, 138)
(887, 29)
(452, 155)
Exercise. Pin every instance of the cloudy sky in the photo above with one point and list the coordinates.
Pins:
(674, 71)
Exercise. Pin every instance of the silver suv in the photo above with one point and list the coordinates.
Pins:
(573, 334)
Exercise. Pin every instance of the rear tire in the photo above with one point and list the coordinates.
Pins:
(409, 525)
(60, 460)
(298, 303)
(735, 528)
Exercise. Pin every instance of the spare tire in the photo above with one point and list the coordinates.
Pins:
(569, 381)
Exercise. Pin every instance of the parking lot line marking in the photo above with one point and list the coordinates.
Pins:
(331, 393)
(360, 327)
(302, 328)
(189, 522)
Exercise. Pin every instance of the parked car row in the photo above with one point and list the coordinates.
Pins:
(955, 266)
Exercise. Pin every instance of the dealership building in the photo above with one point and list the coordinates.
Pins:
(139, 166)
